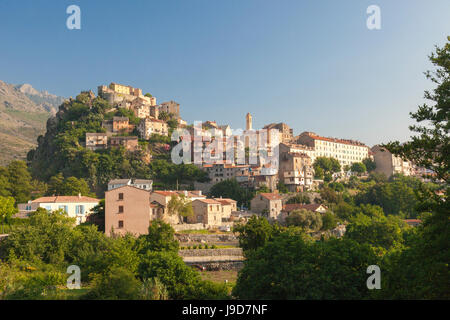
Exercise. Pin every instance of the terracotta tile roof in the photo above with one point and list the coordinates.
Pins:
(208, 201)
(271, 196)
(298, 206)
(165, 193)
(336, 140)
(225, 201)
(61, 199)
(190, 194)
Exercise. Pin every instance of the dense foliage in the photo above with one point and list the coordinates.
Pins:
(35, 257)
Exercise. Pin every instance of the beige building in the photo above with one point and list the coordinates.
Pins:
(345, 151)
(129, 143)
(389, 164)
(162, 198)
(117, 94)
(219, 172)
(78, 207)
(296, 171)
(207, 211)
(268, 204)
(96, 141)
(149, 126)
(128, 210)
(170, 107)
(228, 206)
(286, 134)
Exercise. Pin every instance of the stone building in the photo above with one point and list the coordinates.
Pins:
(129, 143)
(286, 134)
(207, 211)
(96, 141)
(170, 107)
(296, 171)
(149, 126)
(267, 204)
(389, 164)
(116, 94)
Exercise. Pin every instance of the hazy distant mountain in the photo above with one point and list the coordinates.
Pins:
(23, 114)
(49, 101)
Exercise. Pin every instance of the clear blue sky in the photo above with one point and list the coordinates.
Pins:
(311, 64)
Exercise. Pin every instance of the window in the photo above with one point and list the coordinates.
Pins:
(65, 208)
(120, 223)
(79, 209)
(120, 196)
(120, 209)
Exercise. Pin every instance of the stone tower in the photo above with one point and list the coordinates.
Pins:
(248, 122)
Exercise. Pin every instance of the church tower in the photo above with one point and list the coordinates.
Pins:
(248, 121)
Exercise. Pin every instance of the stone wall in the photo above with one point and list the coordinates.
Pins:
(188, 226)
(229, 252)
(220, 238)
(214, 259)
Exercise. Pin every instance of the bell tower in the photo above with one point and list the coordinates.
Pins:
(248, 122)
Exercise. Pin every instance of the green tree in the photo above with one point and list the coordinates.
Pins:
(358, 167)
(377, 231)
(230, 188)
(326, 166)
(160, 237)
(7, 209)
(255, 233)
(19, 181)
(370, 164)
(329, 221)
(282, 188)
(421, 270)
(263, 189)
(308, 220)
(180, 206)
(299, 198)
(292, 267)
(115, 284)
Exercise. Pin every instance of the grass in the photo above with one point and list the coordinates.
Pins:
(220, 276)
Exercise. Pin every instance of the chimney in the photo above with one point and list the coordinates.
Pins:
(199, 192)
(79, 195)
(185, 193)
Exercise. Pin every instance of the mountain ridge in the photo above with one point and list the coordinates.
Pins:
(24, 112)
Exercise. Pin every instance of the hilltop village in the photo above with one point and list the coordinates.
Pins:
(304, 162)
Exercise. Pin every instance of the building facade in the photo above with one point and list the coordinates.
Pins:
(149, 126)
(78, 207)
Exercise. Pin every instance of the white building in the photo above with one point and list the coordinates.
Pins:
(78, 207)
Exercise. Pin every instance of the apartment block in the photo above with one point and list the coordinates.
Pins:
(345, 151)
